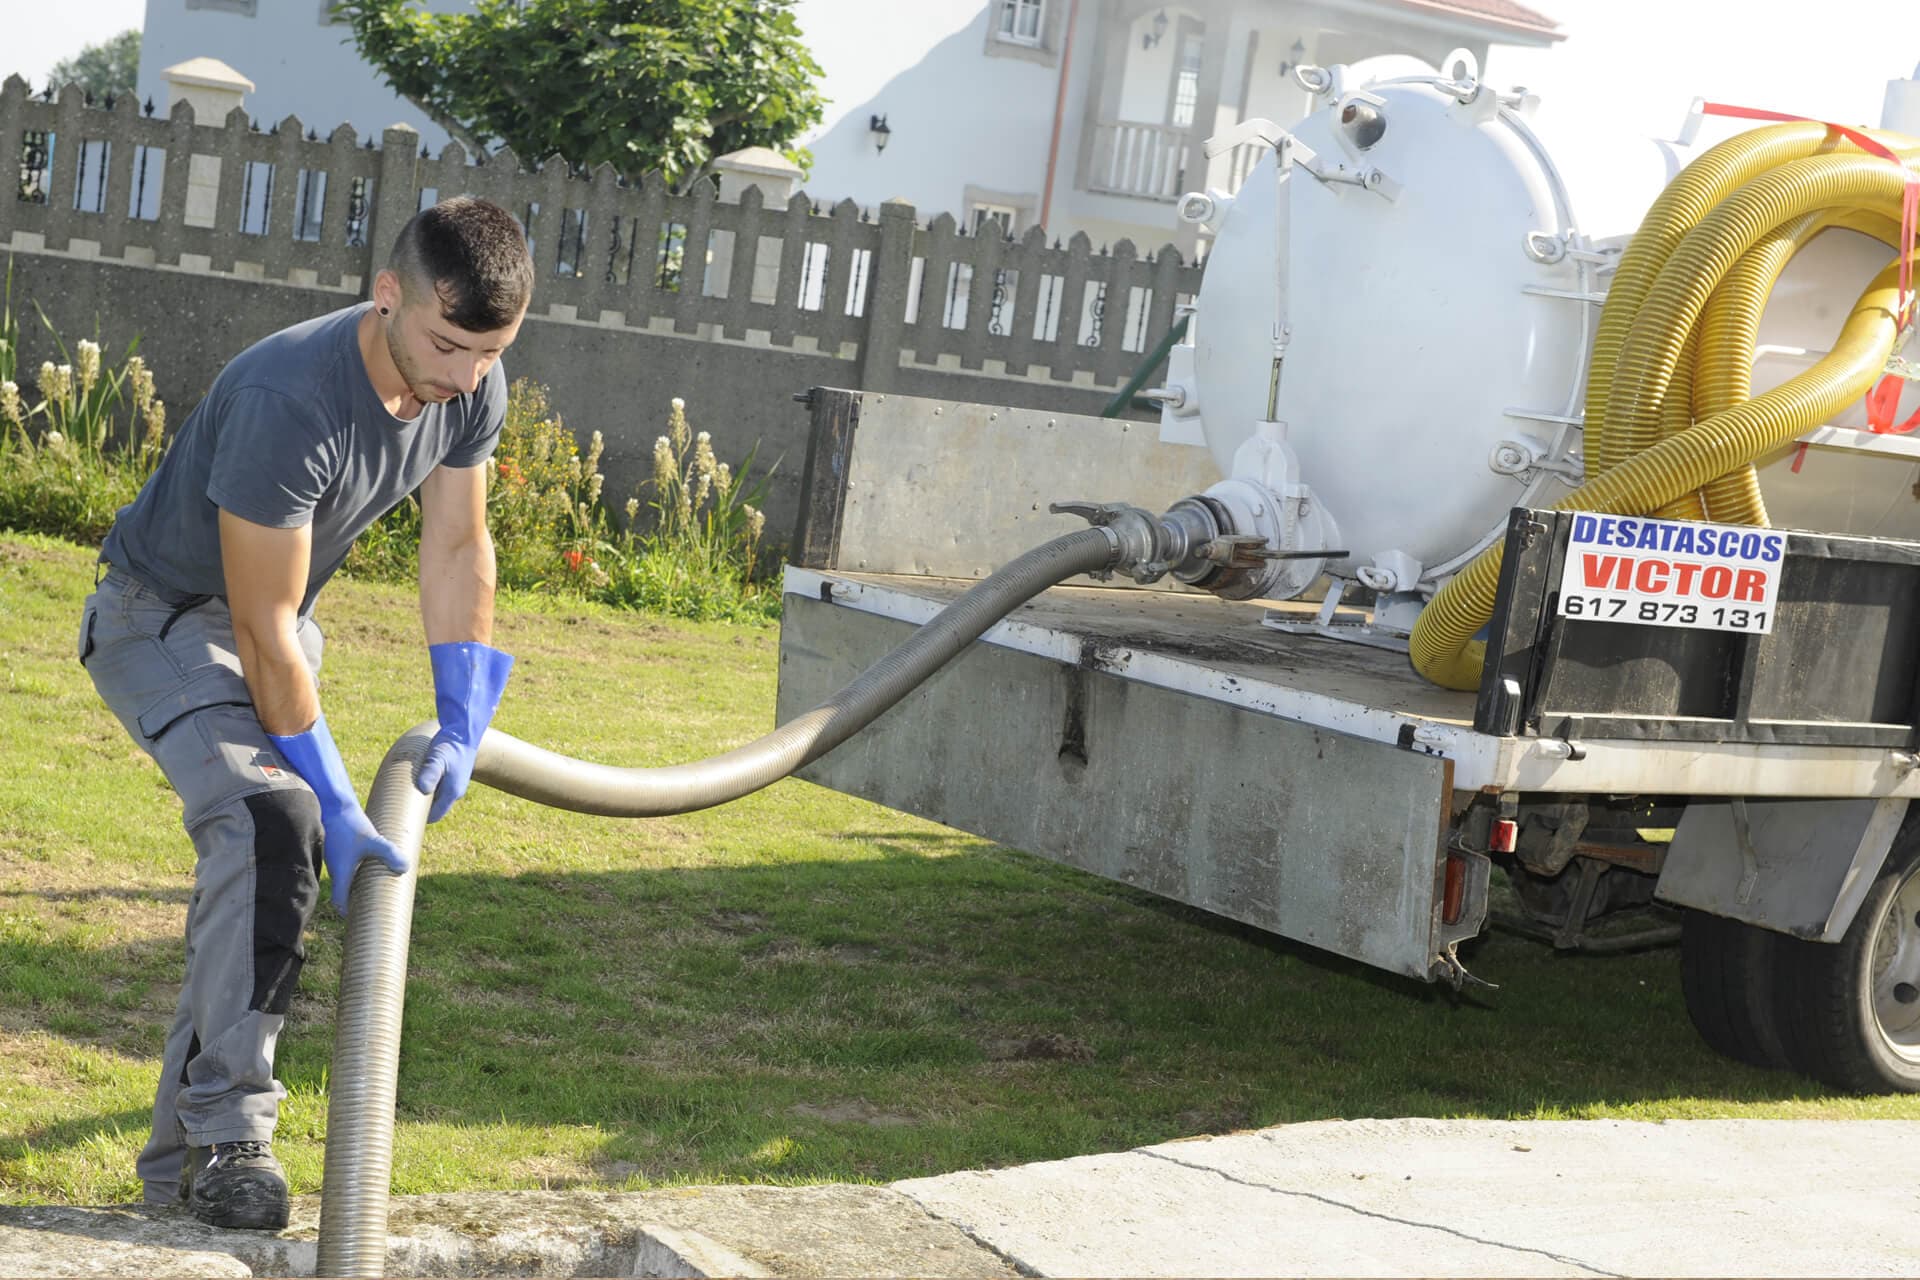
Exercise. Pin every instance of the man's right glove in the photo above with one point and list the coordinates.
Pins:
(350, 834)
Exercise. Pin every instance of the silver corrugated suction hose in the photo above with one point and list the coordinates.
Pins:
(366, 1048)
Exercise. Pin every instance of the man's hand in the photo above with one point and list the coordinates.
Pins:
(467, 684)
(468, 678)
(350, 835)
(456, 606)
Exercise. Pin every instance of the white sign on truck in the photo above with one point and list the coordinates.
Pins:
(1671, 573)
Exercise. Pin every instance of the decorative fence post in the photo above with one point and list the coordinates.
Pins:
(395, 197)
(888, 276)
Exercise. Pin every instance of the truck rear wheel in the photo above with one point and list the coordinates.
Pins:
(1850, 1012)
(1727, 975)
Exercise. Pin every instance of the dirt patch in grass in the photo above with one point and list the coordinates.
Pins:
(737, 922)
(136, 909)
(857, 1111)
(1050, 1047)
(12, 553)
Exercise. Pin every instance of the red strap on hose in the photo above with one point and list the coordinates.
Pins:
(1884, 400)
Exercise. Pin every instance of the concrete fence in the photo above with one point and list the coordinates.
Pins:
(738, 303)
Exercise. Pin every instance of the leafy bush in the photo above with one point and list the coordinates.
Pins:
(80, 450)
(699, 556)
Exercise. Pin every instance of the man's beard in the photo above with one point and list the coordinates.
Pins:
(419, 386)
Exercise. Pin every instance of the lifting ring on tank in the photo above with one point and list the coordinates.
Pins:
(1461, 75)
(1315, 80)
(1545, 247)
(1201, 207)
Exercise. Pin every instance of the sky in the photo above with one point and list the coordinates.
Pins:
(1636, 62)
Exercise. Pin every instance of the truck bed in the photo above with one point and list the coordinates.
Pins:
(1219, 650)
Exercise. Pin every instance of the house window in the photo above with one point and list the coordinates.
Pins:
(1005, 215)
(1186, 80)
(245, 8)
(1022, 21)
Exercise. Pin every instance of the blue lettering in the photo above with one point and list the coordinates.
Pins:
(1749, 546)
(1649, 539)
(1606, 530)
(1683, 540)
(1585, 528)
(1775, 546)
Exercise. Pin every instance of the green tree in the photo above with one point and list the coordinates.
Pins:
(109, 67)
(640, 84)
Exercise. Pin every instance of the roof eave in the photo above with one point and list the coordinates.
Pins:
(1511, 32)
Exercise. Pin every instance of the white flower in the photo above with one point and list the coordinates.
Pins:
(88, 362)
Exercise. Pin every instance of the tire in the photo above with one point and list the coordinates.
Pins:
(1849, 1012)
(1727, 973)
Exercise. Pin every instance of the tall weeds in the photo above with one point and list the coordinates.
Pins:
(68, 460)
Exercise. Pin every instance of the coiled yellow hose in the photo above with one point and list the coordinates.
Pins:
(1723, 374)
(1762, 191)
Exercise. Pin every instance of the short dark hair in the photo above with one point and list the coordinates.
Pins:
(473, 255)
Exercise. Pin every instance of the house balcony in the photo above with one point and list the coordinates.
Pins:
(1146, 161)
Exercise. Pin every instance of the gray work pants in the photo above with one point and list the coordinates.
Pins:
(167, 668)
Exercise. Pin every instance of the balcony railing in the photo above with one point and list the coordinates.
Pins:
(1150, 161)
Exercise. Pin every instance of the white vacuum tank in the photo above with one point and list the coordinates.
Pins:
(1444, 264)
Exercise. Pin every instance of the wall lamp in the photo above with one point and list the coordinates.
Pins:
(877, 126)
(1148, 39)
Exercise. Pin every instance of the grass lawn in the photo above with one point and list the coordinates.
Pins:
(796, 987)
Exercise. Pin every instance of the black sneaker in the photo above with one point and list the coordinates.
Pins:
(235, 1184)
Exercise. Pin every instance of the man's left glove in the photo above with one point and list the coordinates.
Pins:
(468, 678)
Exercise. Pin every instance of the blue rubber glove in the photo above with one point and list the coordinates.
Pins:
(350, 834)
(468, 679)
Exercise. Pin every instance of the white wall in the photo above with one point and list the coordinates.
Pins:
(1145, 86)
(959, 116)
(300, 65)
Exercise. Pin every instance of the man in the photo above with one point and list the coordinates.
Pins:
(201, 639)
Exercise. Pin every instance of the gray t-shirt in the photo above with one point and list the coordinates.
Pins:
(290, 434)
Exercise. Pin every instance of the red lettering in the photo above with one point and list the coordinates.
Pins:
(1623, 574)
(1598, 568)
(1750, 584)
(1716, 582)
(1687, 571)
(1644, 578)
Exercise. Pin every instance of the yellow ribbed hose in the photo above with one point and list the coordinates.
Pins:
(1696, 189)
(1676, 415)
(1679, 207)
(1723, 374)
(1730, 329)
(1673, 305)
(1443, 647)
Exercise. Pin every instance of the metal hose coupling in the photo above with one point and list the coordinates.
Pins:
(1199, 541)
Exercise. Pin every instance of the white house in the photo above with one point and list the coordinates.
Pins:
(1081, 115)
(1089, 115)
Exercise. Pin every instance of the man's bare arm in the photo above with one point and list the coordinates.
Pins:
(266, 572)
(456, 556)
